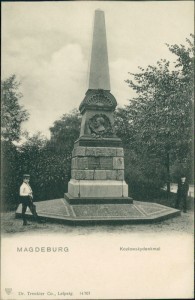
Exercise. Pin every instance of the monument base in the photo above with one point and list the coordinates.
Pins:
(86, 141)
(94, 200)
(97, 188)
(59, 210)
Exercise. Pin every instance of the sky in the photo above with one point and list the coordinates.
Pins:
(48, 45)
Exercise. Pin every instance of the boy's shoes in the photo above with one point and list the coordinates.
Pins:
(41, 221)
(26, 224)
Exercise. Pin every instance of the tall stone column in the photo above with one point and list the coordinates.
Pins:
(97, 170)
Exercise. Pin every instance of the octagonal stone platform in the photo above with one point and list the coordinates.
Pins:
(59, 210)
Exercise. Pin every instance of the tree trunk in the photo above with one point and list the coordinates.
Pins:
(168, 174)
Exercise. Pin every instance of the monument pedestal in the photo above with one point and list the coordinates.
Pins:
(97, 188)
(97, 175)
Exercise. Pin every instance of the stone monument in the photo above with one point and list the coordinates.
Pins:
(97, 191)
(97, 170)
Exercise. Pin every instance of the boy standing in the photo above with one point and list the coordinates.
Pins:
(26, 197)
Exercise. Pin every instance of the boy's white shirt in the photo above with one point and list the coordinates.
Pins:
(25, 189)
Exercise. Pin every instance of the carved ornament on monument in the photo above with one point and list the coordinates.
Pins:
(100, 126)
(98, 100)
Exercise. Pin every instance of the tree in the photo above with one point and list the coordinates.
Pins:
(123, 126)
(65, 132)
(10, 178)
(37, 158)
(46, 166)
(49, 161)
(13, 114)
(158, 121)
(185, 67)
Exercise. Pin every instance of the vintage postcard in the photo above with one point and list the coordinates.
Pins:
(97, 194)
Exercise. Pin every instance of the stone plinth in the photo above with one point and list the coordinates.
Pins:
(97, 163)
(97, 188)
(89, 141)
(98, 173)
(97, 151)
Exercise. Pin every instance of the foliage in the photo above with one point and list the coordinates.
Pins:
(47, 168)
(65, 132)
(157, 123)
(9, 175)
(49, 161)
(13, 114)
(123, 126)
(155, 127)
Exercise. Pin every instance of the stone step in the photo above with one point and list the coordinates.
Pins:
(59, 210)
(94, 200)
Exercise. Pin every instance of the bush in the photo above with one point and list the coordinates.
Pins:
(10, 176)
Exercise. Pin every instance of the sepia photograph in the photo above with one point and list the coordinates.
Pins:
(97, 177)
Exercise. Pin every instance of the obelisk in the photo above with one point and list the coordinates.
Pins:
(99, 70)
(97, 170)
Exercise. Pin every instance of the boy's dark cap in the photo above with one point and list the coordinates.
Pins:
(26, 176)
